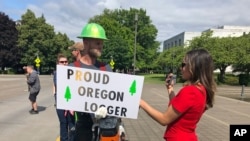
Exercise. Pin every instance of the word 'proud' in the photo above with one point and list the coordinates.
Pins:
(88, 76)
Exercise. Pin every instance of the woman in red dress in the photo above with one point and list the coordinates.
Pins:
(197, 95)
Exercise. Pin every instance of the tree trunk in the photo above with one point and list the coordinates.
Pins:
(2, 69)
(222, 74)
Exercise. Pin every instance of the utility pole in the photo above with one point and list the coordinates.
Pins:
(136, 20)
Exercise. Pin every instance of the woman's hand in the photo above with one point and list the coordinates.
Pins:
(142, 103)
(169, 82)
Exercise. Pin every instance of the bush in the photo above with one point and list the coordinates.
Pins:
(231, 79)
(8, 71)
(243, 79)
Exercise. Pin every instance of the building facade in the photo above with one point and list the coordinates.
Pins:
(181, 39)
(184, 38)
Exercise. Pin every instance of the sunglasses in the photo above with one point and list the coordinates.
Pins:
(74, 49)
(183, 65)
(63, 61)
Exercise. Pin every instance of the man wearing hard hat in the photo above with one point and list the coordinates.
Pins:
(93, 36)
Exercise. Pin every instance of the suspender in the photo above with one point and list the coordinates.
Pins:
(102, 66)
(77, 64)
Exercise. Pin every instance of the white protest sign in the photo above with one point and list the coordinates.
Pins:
(85, 90)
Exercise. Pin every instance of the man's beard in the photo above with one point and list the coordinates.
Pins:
(95, 53)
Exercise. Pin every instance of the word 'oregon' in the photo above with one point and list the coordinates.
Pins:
(98, 93)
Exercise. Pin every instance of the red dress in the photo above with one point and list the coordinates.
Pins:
(191, 102)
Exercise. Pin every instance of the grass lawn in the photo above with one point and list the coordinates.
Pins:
(154, 78)
(159, 79)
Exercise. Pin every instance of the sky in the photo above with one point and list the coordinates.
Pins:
(170, 17)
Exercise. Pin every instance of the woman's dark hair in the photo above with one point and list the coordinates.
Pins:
(200, 64)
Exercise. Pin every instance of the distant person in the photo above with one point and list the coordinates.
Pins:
(34, 88)
(66, 117)
(76, 50)
(186, 108)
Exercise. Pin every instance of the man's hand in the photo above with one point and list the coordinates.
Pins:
(101, 113)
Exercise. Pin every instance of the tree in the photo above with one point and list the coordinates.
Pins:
(116, 46)
(120, 26)
(242, 63)
(59, 44)
(171, 59)
(37, 38)
(9, 52)
(223, 53)
(222, 50)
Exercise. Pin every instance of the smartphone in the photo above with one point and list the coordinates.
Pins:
(172, 79)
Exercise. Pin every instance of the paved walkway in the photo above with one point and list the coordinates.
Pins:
(17, 124)
(214, 125)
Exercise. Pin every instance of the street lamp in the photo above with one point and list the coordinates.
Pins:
(136, 20)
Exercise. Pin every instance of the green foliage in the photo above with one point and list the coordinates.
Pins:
(158, 78)
(222, 50)
(226, 51)
(9, 52)
(37, 38)
(171, 59)
(242, 63)
(7, 71)
(244, 79)
(154, 78)
(230, 79)
(21, 44)
(120, 27)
